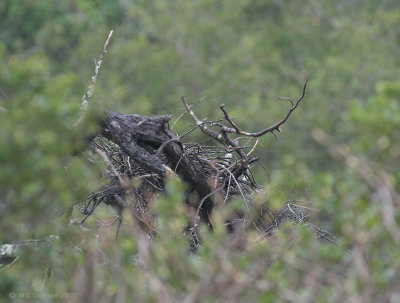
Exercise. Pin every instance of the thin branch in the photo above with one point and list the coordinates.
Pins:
(237, 129)
(204, 128)
(237, 183)
(188, 108)
(89, 90)
(234, 144)
(202, 123)
(253, 149)
(109, 165)
(95, 204)
(9, 265)
(270, 129)
(288, 99)
(205, 198)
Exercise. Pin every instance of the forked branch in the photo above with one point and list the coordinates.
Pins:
(275, 127)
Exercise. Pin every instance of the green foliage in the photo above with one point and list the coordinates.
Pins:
(243, 53)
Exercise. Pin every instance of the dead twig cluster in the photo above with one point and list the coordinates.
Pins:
(141, 152)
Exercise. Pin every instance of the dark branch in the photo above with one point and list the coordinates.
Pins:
(270, 129)
(203, 127)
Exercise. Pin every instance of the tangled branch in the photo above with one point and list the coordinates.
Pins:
(136, 147)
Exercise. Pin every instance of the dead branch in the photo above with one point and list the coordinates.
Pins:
(204, 128)
(144, 148)
(89, 90)
(270, 129)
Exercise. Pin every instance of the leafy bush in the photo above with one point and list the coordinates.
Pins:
(341, 153)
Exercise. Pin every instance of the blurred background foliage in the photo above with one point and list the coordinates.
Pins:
(340, 150)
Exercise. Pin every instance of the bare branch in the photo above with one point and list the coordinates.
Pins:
(284, 98)
(188, 108)
(203, 127)
(89, 90)
(237, 129)
(109, 164)
(270, 129)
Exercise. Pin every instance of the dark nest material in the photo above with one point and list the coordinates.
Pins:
(140, 152)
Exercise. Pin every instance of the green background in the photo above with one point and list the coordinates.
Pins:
(340, 150)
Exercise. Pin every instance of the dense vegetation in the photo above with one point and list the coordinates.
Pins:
(339, 152)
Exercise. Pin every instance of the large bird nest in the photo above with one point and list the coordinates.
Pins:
(141, 152)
